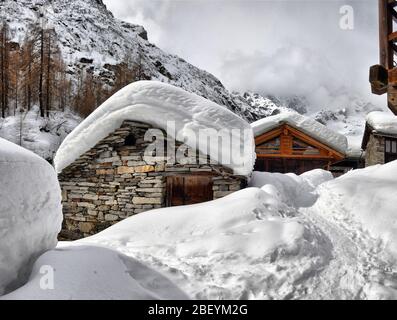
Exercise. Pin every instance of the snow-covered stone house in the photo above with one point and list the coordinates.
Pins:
(109, 169)
(380, 138)
(290, 142)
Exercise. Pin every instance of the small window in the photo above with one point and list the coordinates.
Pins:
(390, 150)
(301, 148)
(269, 147)
(130, 140)
(388, 146)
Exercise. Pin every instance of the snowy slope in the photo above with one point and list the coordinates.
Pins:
(163, 105)
(88, 31)
(41, 136)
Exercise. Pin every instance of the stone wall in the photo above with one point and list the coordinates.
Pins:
(112, 181)
(375, 152)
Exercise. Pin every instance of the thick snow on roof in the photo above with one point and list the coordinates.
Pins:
(382, 122)
(304, 124)
(157, 103)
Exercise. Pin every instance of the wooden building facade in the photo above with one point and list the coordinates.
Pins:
(287, 149)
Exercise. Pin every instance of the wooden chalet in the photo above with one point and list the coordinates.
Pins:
(282, 146)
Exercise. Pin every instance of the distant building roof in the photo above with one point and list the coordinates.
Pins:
(309, 126)
(381, 123)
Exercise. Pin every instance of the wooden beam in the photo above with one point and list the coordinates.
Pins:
(326, 152)
(268, 136)
(392, 77)
(303, 157)
(392, 99)
(392, 37)
(385, 29)
(304, 137)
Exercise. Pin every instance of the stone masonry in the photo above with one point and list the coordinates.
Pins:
(112, 181)
(375, 152)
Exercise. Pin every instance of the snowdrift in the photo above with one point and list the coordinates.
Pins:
(158, 104)
(30, 212)
(238, 247)
(89, 272)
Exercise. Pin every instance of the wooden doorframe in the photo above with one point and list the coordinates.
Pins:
(169, 184)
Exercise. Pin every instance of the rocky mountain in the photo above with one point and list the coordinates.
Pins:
(91, 37)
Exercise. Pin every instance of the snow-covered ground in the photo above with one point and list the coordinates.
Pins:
(90, 272)
(284, 237)
(295, 237)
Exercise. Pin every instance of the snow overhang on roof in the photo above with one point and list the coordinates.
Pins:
(157, 104)
(311, 127)
(382, 122)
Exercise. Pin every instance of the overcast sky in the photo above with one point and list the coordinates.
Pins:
(283, 47)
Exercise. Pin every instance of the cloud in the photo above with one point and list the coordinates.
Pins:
(277, 47)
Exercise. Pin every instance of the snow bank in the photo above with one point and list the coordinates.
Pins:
(367, 196)
(238, 247)
(290, 189)
(89, 272)
(382, 122)
(305, 124)
(30, 212)
(157, 103)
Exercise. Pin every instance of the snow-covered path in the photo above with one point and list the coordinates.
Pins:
(359, 267)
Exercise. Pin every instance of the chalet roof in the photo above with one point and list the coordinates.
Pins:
(380, 123)
(159, 104)
(304, 124)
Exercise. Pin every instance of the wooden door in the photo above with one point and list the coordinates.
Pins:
(184, 190)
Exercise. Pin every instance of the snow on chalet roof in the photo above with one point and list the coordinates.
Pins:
(309, 126)
(382, 122)
(156, 103)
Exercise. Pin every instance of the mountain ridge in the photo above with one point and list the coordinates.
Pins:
(99, 41)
